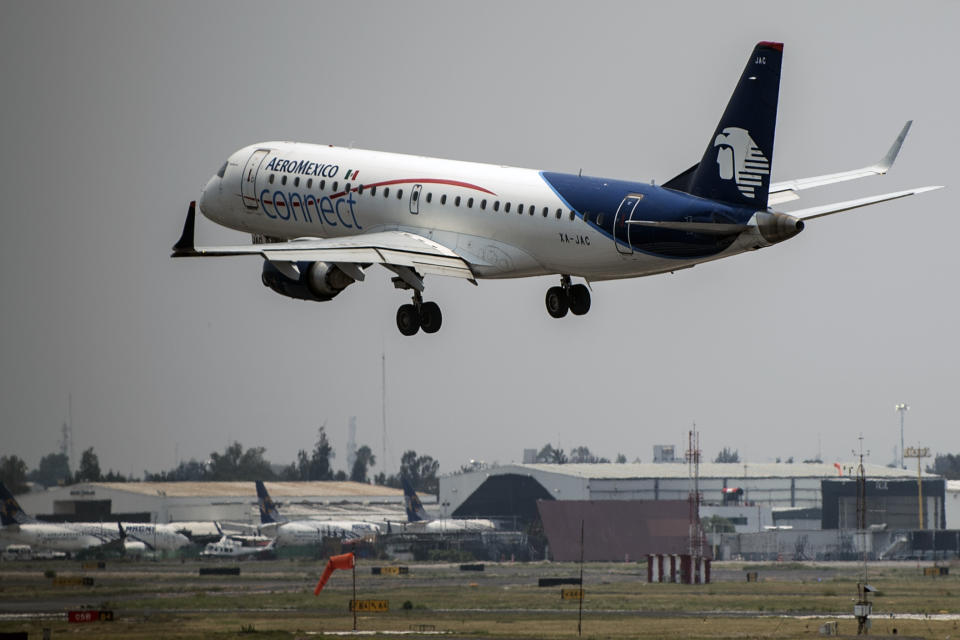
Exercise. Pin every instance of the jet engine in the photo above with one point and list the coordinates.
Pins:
(318, 281)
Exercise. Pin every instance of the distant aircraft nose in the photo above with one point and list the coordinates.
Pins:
(211, 195)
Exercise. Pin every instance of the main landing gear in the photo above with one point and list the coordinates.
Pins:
(568, 297)
(419, 315)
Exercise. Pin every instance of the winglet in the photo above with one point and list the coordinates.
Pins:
(884, 165)
(185, 246)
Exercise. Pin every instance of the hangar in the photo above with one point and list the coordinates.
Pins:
(163, 502)
(791, 490)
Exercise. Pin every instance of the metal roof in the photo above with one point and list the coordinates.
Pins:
(638, 470)
(348, 491)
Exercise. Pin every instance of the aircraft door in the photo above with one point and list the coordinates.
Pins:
(248, 185)
(621, 230)
(415, 198)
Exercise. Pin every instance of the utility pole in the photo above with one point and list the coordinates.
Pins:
(919, 453)
(901, 408)
(863, 608)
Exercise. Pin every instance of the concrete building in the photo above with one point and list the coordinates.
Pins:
(204, 501)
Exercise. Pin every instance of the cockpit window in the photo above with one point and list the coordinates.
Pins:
(223, 170)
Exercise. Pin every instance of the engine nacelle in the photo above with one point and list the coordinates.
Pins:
(777, 227)
(318, 281)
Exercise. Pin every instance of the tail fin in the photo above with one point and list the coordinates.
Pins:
(268, 510)
(10, 511)
(415, 510)
(735, 168)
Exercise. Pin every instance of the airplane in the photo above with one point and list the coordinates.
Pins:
(306, 532)
(17, 527)
(321, 215)
(418, 520)
(135, 537)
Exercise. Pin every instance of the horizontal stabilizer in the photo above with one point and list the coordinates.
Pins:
(837, 207)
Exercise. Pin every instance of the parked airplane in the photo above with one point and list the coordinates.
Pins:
(417, 518)
(320, 215)
(135, 536)
(16, 527)
(306, 532)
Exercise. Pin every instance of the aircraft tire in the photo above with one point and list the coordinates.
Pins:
(557, 303)
(579, 299)
(430, 317)
(408, 320)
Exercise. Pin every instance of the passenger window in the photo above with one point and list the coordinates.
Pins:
(483, 204)
(456, 201)
(415, 195)
(296, 181)
(309, 183)
(335, 183)
(386, 192)
(399, 193)
(360, 188)
(470, 203)
(520, 209)
(373, 190)
(496, 205)
(572, 216)
(323, 185)
(270, 180)
(506, 208)
(559, 213)
(346, 188)
(429, 197)
(283, 180)
(599, 219)
(544, 212)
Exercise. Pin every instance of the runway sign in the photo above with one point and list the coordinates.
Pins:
(370, 605)
(571, 594)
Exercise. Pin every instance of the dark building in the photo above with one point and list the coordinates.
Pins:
(891, 502)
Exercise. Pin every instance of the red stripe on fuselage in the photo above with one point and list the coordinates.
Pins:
(387, 183)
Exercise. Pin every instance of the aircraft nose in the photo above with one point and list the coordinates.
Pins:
(210, 195)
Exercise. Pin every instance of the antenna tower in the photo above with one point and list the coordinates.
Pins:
(693, 468)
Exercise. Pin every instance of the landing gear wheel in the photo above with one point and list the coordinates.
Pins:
(430, 317)
(579, 299)
(408, 320)
(557, 303)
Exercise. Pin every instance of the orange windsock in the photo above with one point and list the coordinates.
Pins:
(343, 561)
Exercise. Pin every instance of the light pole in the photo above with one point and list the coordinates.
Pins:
(902, 408)
(919, 453)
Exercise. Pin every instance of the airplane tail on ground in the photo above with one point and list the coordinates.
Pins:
(268, 510)
(736, 165)
(415, 510)
(10, 511)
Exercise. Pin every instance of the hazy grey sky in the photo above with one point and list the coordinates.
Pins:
(114, 115)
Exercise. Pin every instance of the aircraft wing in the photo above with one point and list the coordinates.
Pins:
(396, 250)
(786, 191)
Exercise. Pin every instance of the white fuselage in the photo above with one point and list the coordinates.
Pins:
(306, 532)
(505, 221)
(57, 537)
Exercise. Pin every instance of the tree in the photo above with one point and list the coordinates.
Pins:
(316, 464)
(621, 459)
(54, 469)
(13, 473)
(191, 471)
(421, 471)
(549, 455)
(89, 470)
(236, 464)
(728, 455)
(364, 460)
(947, 465)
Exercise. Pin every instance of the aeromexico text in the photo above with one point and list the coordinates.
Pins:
(303, 167)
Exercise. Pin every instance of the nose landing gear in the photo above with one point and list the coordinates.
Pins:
(567, 297)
